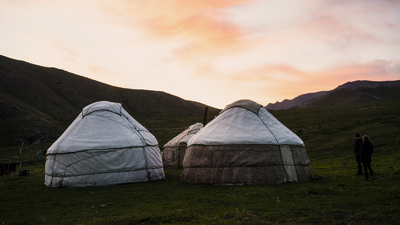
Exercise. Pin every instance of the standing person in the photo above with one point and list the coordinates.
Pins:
(357, 150)
(366, 151)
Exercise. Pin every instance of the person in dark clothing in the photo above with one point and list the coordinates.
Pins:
(366, 151)
(357, 150)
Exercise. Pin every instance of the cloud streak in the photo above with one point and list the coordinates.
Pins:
(202, 27)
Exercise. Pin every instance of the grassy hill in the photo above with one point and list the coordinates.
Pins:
(334, 196)
(37, 103)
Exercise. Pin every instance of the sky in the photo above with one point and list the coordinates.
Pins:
(210, 51)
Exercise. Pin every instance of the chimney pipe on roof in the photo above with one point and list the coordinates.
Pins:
(205, 116)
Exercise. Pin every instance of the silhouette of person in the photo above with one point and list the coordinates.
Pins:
(366, 151)
(357, 150)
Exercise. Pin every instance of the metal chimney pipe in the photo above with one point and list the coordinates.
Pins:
(205, 116)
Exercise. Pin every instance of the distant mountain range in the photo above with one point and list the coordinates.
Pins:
(350, 92)
(37, 103)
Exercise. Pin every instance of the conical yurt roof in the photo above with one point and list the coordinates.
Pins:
(245, 122)
(105, 130)
(184, 136)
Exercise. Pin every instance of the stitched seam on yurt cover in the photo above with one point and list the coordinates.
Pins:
(114, 121)
(235, 166)
(131, 123)
(139, 134)
(186, 134)
(191, 131)
(52, 169)
(122, 171)
(236, 145)
(238, 113)
(66, 135)
(100, 150)
(236, 104)
(168, 145)
(145, 162)
(283, 164)
(269, 129)
(204, 167)
(68, 165)
(294, 164)
(100, 110)
(230, 114)
(133, 131)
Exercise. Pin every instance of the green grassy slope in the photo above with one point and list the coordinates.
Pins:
(335, 197)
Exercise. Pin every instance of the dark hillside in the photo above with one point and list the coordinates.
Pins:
(37, 103)
(382, 92)
(368, 84)
(350, 92)
(358, 95)
(296, 102)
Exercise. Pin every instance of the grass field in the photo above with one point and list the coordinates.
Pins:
(334, 196)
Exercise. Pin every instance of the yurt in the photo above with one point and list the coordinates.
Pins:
(245, 144)
(174, 150)
(103, 146)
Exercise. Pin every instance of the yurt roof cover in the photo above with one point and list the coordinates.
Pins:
(184, 136)
(102, 125)
(247, 104)
(245, 122)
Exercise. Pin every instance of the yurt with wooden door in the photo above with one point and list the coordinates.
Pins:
(103, 146)
(174, 150)
(245, 144)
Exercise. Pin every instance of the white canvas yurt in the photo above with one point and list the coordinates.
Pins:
(245, 144)
(174, 150)
(103, 146)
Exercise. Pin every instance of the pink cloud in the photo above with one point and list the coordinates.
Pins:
(378, 70)
(201, 26)
(342, 23)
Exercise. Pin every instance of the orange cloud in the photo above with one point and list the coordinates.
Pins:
(377, 70)
(201, 27)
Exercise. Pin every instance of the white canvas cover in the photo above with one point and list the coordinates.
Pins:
(104, 145)
(245, 144)
(245, 122)
(184, 136)
(174, 150)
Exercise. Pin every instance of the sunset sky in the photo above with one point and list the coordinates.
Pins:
(210, 51)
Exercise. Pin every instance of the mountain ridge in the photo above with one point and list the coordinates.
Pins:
(37, 103)
(364, 90)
